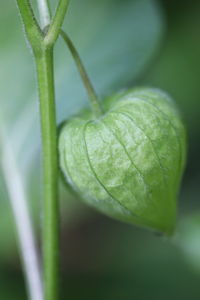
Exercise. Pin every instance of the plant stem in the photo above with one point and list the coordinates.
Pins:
(57, 21)
(42, 44)
(20, 210)
(86, 81)
(49, 138)
(32, 29)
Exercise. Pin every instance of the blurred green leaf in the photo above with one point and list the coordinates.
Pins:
(177, 70)
(188, 240)
(116, 41)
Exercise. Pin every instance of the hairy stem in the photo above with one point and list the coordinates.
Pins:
(32, 29)
(86, 81)
(56, 24)
(49, 139)
(42, 44)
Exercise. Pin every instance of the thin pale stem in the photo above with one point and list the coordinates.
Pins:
(50, 165)
(85, 78)
(24, 227)
(44, 11)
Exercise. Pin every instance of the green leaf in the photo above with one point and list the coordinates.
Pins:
(128, 163)
(188, 240)
(181, 54)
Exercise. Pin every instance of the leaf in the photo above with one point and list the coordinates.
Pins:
(181, 54)
(188, 240)
(116, 40)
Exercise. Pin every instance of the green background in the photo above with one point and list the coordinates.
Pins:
(122, 43)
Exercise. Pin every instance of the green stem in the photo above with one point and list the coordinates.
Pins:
(42, 44)
(86, 81)
(55, 26)
(32, 29)
(49, 138)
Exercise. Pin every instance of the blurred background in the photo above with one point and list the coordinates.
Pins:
(122, 43)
